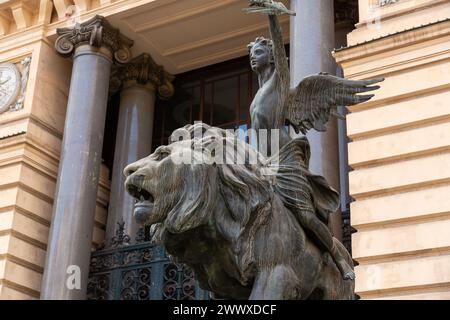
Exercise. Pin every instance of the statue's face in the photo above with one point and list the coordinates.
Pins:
(259, 57)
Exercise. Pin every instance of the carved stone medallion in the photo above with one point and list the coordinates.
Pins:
(10, 83)
(383, 3)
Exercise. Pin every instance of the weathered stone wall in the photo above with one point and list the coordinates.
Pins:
(400, 152)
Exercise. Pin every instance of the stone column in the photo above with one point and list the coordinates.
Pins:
(138, 81)
(94, 45)
(346, 18)
(311, 44)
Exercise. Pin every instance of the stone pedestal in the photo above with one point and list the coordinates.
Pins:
(138, 81)
(94, 44)
(311, 45)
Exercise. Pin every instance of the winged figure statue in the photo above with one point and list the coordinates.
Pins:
(309, 105)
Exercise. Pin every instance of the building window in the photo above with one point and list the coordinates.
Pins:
(218, 95)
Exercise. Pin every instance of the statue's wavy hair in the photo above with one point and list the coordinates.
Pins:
(263, 42)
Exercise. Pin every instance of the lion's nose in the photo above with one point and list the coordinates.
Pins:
(135, 166)
(130, 169)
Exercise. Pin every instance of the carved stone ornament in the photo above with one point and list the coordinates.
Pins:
(96, 32)
(143, 70)
(25, 63)
(383, 3)
(9, 85)
(13, 84)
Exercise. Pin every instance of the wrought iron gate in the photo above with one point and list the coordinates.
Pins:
(140, 272)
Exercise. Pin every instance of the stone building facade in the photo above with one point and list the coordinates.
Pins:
(87, 86)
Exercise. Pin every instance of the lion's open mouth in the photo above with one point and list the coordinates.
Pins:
(144, 203)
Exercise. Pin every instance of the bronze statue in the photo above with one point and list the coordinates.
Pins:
(245, 234)
(229, 223)
(307, 106)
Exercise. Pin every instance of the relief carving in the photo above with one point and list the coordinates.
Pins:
(13, 84)
(383, 3)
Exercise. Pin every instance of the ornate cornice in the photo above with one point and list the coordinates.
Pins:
(143, 70)
(96, 32)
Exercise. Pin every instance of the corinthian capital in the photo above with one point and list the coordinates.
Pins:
(143, 70)
(96, 32)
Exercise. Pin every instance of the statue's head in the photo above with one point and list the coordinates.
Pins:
(181, 196)
(261, 53)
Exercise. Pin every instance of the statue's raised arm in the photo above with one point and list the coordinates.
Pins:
(273, 10)
(311, 104)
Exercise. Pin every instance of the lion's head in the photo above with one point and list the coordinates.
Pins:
(181, 196)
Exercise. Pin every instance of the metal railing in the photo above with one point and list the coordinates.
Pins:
(141, 271)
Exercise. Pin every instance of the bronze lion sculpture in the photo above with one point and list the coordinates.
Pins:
(229, 223)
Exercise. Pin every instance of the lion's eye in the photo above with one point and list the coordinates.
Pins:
(161, 155)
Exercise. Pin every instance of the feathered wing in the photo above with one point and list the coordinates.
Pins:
(317, 97)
